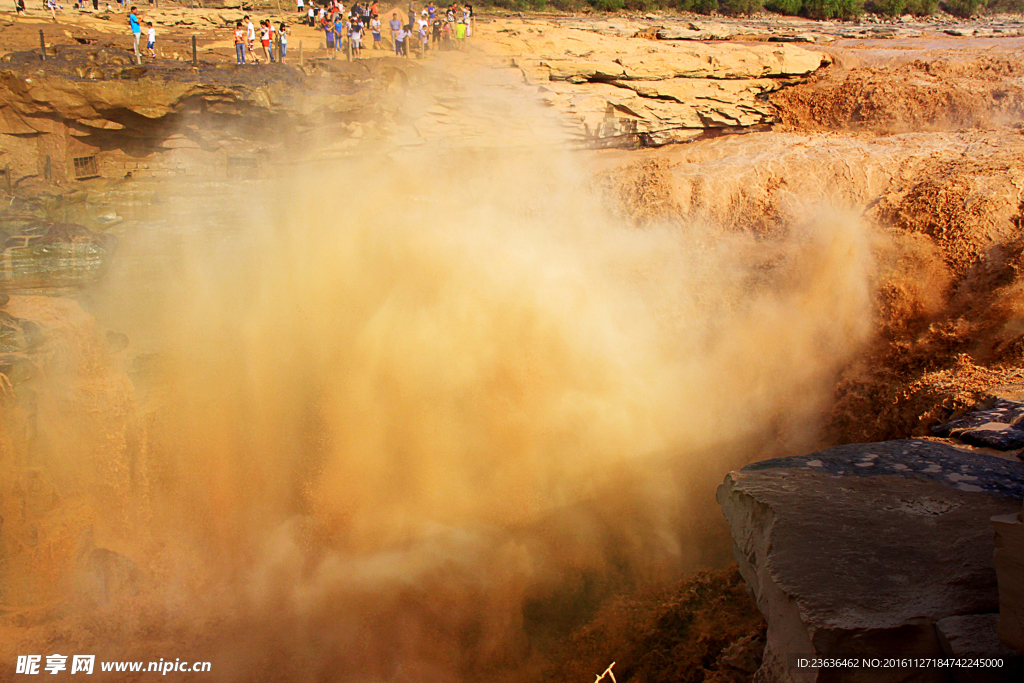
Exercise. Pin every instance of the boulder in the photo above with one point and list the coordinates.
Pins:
(863, 549)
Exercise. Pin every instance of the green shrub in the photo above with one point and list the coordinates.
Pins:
(921, 8)
(735, 7)
(698, 6)
(963, 8)
(890, 8)
(791, 7)
(1015, 6)
(833, 9)
(609, 5)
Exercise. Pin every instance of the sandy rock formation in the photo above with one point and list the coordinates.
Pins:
(636, 91)
(709, 31)
(88, 102)
(862, 549)
(103, 89)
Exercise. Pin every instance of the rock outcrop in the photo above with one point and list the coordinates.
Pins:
(863, 549)
(102, 89)
(636, 91)
(1009, 561)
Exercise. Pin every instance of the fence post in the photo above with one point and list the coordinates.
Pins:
(46, 171)
(42, 45)
(300, 53)
(195, 60)
(348, 47)
(10, 185)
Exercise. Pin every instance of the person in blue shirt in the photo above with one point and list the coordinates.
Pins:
(133, 21)
(328, 26)
(340, 29)
(396, 26)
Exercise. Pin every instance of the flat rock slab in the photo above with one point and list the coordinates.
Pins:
(861, 549)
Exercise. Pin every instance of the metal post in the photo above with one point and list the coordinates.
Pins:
(195, 60)
(42, 44)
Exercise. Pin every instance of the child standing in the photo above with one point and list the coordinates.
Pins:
(151, 39)
(355, 34)
(446, 36)
(265, 39)
(402, 42)
(460, 34)
(375, 28)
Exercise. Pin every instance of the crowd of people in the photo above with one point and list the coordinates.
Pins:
(430, 29)
(273, 41)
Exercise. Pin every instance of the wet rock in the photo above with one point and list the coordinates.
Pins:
(1000, 427)
(862, 549)
(794, 38)
(55, 255)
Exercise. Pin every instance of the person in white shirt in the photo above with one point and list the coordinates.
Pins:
(375, 29)
(250, 39)
(151, 39)
(302, 7)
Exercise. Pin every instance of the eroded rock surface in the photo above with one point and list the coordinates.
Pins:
(612, 87)
(862, 549)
